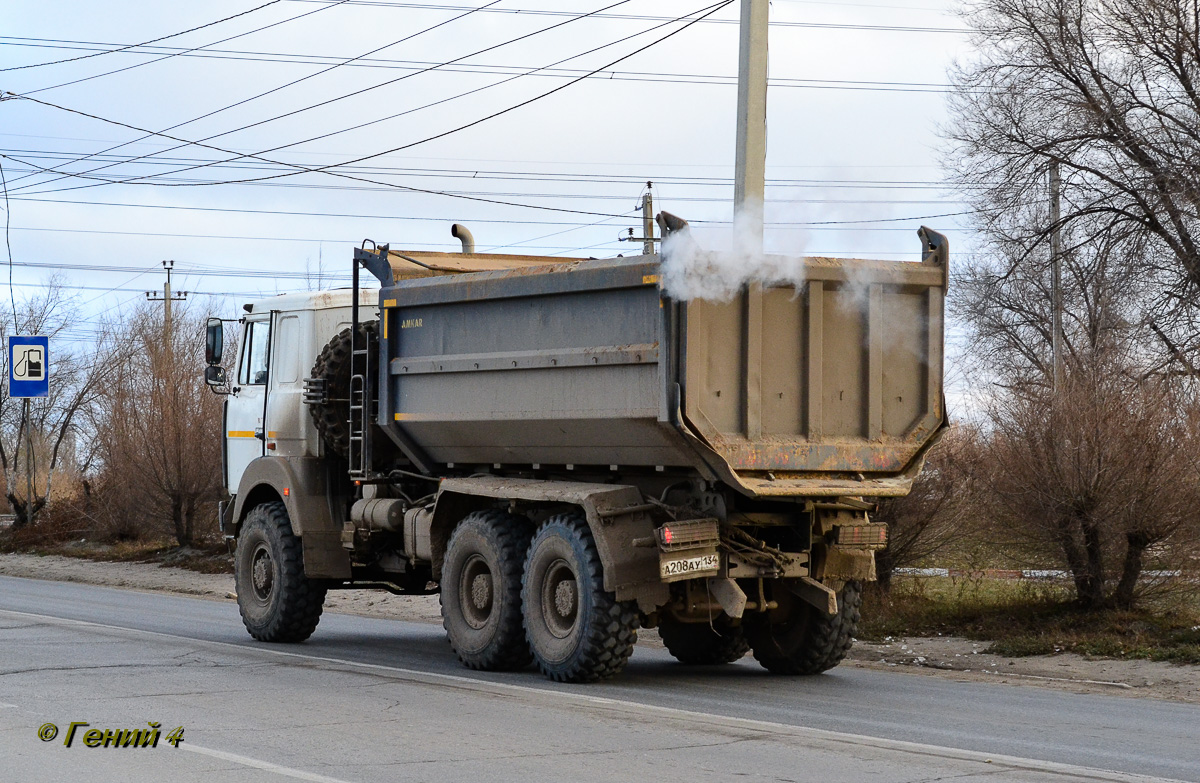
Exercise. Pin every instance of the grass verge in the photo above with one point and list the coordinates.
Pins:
(204, 558)
(1028, 617)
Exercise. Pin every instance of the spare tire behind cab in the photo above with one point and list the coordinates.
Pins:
(332, 417)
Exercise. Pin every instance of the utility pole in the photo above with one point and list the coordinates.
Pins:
(167, 297)
(647, 238)
(1056, 338)
(648, 221)
(750, 168)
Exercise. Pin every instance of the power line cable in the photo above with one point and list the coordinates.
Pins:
(163, 180)
(500, 69)
(486, 221)
(492, 197)
(300, 168)
(183, 52)
(532, 176)
(385, 185)
(146, 43)
(413, 110)
(290, 213)
(356, 93)
(641, 17)
(270, 274)
(8, 244)
(493, 115)
(262, 94)
(328, 168)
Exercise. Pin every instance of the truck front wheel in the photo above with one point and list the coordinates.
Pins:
(797, 638)
(577, 630)
(277, 601)
(481, 590)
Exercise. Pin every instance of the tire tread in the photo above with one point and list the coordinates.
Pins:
(301, 599)
(610, 634)
(699, 644)
(827, 640)
(512, 536)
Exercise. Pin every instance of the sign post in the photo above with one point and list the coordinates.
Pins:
(28, 366)
(28, 376)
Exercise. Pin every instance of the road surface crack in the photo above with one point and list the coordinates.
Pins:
(84, 668)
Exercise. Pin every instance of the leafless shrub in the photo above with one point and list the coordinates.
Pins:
(938, 509)
(158, 431)
(1101, 472)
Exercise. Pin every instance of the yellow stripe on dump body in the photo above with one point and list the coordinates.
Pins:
(241, 433)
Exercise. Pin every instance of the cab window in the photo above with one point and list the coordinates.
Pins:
(254, 353)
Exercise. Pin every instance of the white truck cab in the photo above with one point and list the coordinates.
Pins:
(279, 338)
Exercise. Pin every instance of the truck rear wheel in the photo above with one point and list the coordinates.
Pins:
(277, 601)
(577, 630)
(704, 644)
(481, 591)
(797, 638)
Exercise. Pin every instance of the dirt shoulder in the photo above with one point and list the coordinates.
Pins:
(949, 657)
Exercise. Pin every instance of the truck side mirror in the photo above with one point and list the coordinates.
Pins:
(214, 375)
(214, 345)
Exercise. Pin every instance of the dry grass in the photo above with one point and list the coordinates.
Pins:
(1033, 617)
(202, 558)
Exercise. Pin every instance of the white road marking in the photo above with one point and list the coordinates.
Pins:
(723, 721)
(266, 766)
(4, 706)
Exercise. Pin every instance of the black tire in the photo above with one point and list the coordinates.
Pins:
(481, 591)
(277, 601)
(332, 418)
(797, 638)
(704, 644)
(577, 631)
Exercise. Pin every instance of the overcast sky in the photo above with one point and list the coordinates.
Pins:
(857, 92)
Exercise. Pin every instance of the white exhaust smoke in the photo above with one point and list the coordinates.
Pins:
(690, 271)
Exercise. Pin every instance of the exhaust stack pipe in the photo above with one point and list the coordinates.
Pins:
(463, 234)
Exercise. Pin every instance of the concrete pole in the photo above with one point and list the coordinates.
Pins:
(648, 222)
(1056, 340)
(167, 301)
(750, 166)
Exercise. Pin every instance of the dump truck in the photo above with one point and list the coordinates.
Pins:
(565, 453)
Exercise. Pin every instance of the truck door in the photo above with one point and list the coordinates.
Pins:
(244, 411)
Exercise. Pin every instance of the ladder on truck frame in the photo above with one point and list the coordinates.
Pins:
(360, 396)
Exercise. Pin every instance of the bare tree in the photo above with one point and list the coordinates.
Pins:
(35, 438)
(158, 427)
(940, 507)
(1108, 90)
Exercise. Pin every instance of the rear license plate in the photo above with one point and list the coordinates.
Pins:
(676, 567)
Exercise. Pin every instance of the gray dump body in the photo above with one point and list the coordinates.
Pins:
(834, 389)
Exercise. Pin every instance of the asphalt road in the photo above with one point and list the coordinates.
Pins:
(374, 700)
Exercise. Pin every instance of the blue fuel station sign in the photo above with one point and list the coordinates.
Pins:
(28, 366)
